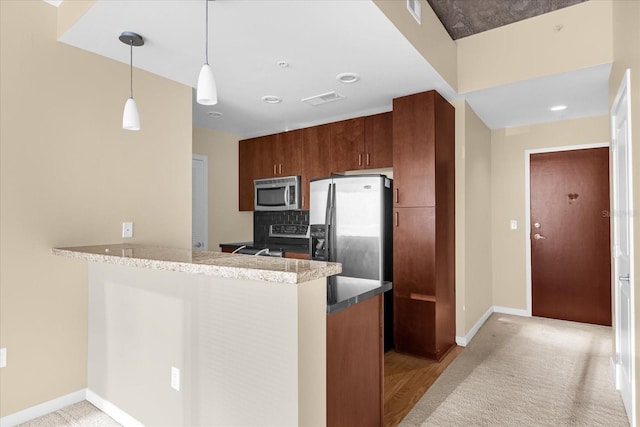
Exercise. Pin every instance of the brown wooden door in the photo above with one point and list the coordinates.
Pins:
(378, 141)
(570, 250)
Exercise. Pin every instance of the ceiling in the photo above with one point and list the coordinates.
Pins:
(318, 40)
(463, 18)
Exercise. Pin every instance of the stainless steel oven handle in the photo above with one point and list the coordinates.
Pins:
(286, 195)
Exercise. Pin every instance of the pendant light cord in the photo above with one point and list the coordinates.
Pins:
(131, 70)
(206, 39)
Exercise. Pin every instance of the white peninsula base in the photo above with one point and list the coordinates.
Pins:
(249, 352)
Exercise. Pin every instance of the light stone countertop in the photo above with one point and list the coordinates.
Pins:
(262, 268)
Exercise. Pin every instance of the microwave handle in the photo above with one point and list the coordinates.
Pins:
(286, 195)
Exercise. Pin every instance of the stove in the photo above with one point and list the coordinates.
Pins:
(281, 238)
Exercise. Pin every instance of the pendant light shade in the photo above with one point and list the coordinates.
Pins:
(207, 93)
(130, 116)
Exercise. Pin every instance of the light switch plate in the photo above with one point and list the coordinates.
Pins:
(513, 224)
(3, 357)
(127, 229)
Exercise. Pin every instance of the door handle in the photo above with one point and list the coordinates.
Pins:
(367, 159)
(624, 278)
(538, 236)
(280, 169)
(397, 219)
(359, 159)
(397, 191)
(274, 170)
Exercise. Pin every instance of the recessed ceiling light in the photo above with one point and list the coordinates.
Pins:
(214, 114)
(272, 99)
(558, 108)
(347, 77)
(283, 64)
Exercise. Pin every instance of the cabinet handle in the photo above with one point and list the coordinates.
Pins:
(302, 201)
(359, 159)
(397, 191)
(274, 169)
(397, 219)
(367, 159)
(280, 169)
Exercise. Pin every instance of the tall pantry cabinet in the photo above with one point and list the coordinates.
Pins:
(424, 225)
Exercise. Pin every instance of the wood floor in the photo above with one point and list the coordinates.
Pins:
(406, 378)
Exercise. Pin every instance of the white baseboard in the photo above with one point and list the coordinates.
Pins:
(463, 341)
(509, 310)
(112, 410)
(615, 373)
(42, 409)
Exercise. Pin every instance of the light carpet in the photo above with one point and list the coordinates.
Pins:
(81, 414)
(521, 371)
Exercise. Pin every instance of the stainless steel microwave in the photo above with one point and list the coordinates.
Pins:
(277, 194)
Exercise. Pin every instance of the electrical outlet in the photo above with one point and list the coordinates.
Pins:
(175, 378)
(513, 224)
(3, 357)
(127, 229)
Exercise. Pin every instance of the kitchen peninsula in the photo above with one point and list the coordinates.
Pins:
(181, 337)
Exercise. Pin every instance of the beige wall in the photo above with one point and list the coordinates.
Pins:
(626, 51)
(226, 223)
(533, 48)
(429, 38)
(478, 295)
(473, 219)
(508, 195)
(69, 176)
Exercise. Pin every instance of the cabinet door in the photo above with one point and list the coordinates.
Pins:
(414, 253)
(316, 154)
(252, 165)
(287, 153)
(378, 141)
(347, 145)
(414, 150)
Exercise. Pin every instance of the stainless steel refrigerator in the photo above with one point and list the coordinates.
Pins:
(350, 219)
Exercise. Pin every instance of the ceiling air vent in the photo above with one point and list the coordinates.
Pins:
(414, 8)
(323, 98)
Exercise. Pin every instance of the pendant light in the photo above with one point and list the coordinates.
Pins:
(206, 94)
(131, 117)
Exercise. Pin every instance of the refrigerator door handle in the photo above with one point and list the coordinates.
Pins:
(331, 229)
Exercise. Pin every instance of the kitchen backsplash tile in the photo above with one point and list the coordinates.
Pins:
(263, 219)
